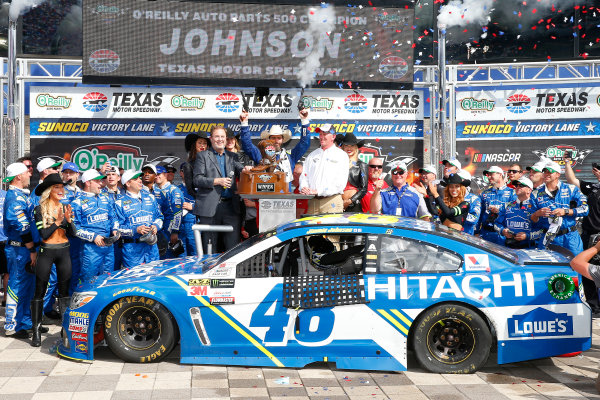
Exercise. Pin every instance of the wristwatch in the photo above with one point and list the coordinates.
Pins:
(567, 211)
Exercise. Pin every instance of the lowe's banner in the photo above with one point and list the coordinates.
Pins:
(579, 103)
(102, 111)
(248, 43)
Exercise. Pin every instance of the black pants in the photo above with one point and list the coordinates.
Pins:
(224, 215)
(57, 254)
(589, 287)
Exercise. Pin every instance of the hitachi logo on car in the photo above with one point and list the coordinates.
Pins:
(397, 287)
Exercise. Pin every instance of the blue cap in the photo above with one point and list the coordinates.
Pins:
(160, 169)
(70, 166)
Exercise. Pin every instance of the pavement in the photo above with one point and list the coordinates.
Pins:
(33, 373)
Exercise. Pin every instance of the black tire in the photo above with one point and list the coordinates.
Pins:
(451, 338)
(139, 329)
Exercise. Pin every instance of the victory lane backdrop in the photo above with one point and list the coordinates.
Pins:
(133, 153)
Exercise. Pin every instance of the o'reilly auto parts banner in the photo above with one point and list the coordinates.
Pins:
(129, 126)
(232, 43)
(579, 103)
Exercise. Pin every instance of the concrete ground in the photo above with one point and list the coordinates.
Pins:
(34, 373)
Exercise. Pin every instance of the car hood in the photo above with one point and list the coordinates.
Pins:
(151, 271)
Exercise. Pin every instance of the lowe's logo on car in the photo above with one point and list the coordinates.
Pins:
(540, 322)
(474, 286)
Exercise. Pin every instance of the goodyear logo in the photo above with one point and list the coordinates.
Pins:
(49, 101)
(180, 101)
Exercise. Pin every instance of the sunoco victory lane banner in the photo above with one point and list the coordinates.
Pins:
(102, 111)
(229, 44)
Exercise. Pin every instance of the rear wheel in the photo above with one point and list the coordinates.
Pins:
(451, 338)
(139, 329)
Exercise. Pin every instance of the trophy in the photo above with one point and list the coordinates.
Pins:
(264, 179)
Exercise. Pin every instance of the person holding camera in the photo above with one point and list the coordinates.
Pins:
(591, 223)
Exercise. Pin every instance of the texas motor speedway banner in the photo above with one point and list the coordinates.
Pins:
(129, 126)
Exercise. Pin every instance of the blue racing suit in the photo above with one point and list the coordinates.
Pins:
(187, 221)
(516, 217)
(287, 162)
(170, 201)
(17, 228)
(132, 211)
(474, 213)
(498, 198)
(567, 197)
(117, 247)
(93, 216)
(75, 247)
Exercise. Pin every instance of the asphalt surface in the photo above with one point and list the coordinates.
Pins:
(34, 373)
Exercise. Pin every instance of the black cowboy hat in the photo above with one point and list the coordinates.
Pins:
(191, 139)
(350, 139)
(50, 180)
(456, 179)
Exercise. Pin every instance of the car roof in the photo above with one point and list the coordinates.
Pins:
(360, 219)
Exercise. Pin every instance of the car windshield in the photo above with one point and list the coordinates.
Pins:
(500, 251)
(219, 258)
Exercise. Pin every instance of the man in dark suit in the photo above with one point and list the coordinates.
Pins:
(217, 203)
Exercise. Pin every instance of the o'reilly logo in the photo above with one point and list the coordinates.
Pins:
(193, 102)
(471, 104)
(48, 101)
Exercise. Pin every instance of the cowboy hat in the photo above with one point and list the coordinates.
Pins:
(351, 139)
(49, 181)
(277, 130)
(192, 138)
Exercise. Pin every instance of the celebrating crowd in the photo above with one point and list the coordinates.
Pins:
(75, 226)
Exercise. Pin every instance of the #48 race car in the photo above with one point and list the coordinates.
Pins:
(359, 290)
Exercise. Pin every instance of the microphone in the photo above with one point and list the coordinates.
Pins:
(230, 176)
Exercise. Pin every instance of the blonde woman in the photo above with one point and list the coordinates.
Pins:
(54, 221)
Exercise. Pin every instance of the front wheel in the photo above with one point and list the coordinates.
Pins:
(451, 338)
(138, 329)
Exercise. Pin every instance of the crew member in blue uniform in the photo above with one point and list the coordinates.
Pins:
(93, 214)
(400, 199)
(20, 250)
(514, 221)
(474, 204)
(188, 219)
(138, 219)
(70, 173)
(559, 203)
(287, 162)
(170, 201)
(114, 190)
(493, 199)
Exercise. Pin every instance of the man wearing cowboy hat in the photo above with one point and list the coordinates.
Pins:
(279, 136)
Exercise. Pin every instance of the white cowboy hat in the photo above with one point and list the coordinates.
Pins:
(277, 130)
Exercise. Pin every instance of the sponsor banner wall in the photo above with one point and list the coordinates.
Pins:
(269, 44)
(478, 155)
(58, 102)
(133, 153)
(528, 104)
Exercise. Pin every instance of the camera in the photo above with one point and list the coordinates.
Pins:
(568, 154)
(596, 166)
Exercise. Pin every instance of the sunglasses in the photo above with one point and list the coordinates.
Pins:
(549, 171)
(519, 185)
(398, 171)
(29, 166)
(376, 166)
(514, 171)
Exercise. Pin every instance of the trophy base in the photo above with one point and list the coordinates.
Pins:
(258, 183)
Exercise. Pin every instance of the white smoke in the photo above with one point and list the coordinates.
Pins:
(19, 7)
(68, 38)
(465, 12)
(321, 21)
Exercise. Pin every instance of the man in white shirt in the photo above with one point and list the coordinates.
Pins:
(325, 174)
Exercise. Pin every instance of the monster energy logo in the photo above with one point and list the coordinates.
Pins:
(222, 283)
